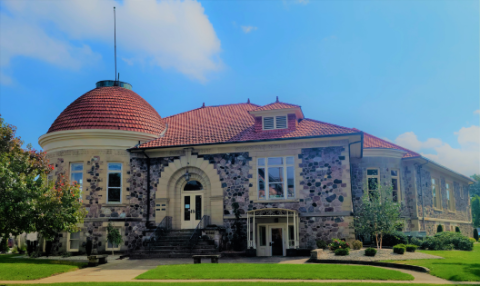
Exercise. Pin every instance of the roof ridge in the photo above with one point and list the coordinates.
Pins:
(399, 147)
(188, 111)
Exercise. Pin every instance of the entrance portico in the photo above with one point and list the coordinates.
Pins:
(272, 231)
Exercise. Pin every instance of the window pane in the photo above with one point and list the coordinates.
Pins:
(75, 235)
(372, 172)
(198, 207)
(290, 182)
(448, 195)
(186, 208)
(112, 245)
(262, 235)
(275, 175)
(275, 161)
(114, 166)
(77, 177)
(394, 173)
(290, 160)
(447, 186)
(114, 179)
(77, 167)
(434, 190)
(395, 190)
(113, 194)
(433, 181)
(74, 244)
(372, 183)
(261, 183)
(276, 191)
(193, 186)
(261, 162)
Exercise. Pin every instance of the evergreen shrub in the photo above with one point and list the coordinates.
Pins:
(416, 241)
(439, 228)
(475, 234)
(321, 244)
(394, 238)
(342, 251)
(411, 247)
(357, 244)
(457, 229)
(370, 251)
(399, 249)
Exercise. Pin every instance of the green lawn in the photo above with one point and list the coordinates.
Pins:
(231, 284)
(272, 271)
(457, 265)
(30, 269)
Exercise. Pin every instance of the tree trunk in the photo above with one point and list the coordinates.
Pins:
(381, 240)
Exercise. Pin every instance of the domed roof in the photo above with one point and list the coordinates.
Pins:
(110, 107)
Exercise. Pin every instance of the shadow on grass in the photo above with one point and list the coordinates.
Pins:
(9, 258)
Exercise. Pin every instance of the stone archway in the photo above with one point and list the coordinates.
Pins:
(172, 182)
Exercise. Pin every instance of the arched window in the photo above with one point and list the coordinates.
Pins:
(193, 186)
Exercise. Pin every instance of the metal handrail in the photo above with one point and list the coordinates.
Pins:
(204, 222)
(162, 229)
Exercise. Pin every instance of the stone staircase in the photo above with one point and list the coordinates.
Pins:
(175, 244)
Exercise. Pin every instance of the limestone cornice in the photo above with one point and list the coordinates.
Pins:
(383, 152)
(92, 139)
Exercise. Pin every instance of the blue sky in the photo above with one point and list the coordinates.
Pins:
(406, 71)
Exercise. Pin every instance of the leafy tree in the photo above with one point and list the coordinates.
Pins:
(474, 189)
(377, 214)
(439, 228)
(475, 204)
(475, 234)
(113, 236)
(28, 202)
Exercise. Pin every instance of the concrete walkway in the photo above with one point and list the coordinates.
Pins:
(126, 270)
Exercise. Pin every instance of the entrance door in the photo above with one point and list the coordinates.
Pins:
(192, 210)
(277, 241)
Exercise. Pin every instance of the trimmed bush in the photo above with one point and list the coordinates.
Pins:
(321, 244)
(370, 251)
(357, 244)
(472, 239)
(448, 241)
(457, 229)
(416, 241)
(342, 252)
(399, 249)
(411, 247)
(337, 243)
(439, 228)
(394, 238)
(475, 234)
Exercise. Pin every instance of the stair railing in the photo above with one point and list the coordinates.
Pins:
(197, 234)
(162, 229)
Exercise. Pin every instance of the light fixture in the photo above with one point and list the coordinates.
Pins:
(187, 175)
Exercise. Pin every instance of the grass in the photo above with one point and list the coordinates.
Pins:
(30, 269)
(457, 265)
(231, 284)
(272, 271)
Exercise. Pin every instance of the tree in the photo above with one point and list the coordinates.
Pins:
(475, 204)
(238, 237)
(475, 234)
(28, 202)
(474, 189)
(439, 228)
(377, 214)
(113, 236)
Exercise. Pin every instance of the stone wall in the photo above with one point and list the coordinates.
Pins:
(324, 228)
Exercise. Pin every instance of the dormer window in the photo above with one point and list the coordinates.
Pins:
(275, 122)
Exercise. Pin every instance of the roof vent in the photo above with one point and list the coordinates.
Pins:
(104, 83)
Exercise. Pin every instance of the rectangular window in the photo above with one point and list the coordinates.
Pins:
(280, 122)
(450, 197)
(277, 174)
(114, 189)
(373, 178)
(74, 241)
(395, 174)
(111, 246)
(76, 175)
(436, 193)
(268, 123)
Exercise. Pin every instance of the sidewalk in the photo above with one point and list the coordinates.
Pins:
(126, 270)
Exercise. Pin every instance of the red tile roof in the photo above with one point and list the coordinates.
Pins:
(110, 108)
(231, 123)
(276, 105)
(370, 141)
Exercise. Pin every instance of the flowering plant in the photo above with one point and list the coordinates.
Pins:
(338, 244)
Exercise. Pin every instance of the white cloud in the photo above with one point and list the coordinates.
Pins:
(465, 160)
(248, 29)
(476, 111)
(170, 34)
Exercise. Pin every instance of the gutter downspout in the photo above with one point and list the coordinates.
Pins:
(421, 188)
(148, 190)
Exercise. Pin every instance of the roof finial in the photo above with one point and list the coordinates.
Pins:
(248, 101)
(277, 98)
(203, 105)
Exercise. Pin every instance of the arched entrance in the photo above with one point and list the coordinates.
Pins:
(192, 197)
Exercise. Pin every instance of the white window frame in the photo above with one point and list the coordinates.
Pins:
(399, 191)
(121, 181)
(69, 249)
(76, 172)
(119, 245)
(438, 195)
(450, 196)
(285, 183)
(275, 119)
